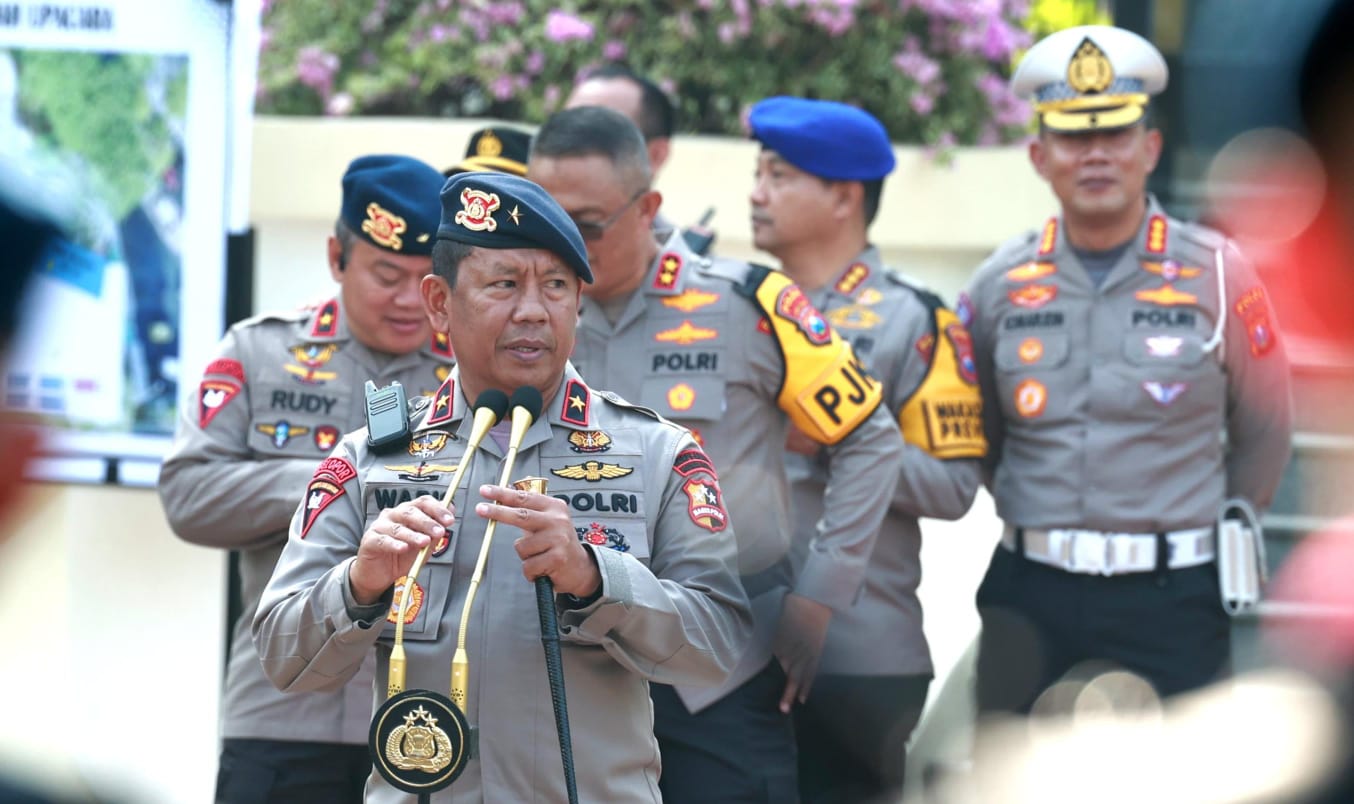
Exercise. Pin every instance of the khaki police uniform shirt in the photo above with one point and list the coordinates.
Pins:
(272, 404)
(1115, 408)
(923, 357)
(671, 608)
(736, 353)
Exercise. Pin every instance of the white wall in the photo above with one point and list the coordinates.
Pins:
(111, 664)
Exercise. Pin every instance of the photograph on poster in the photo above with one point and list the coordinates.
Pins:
(110, 127)
(117, 115)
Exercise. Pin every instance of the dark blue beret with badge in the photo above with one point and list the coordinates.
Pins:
(828, 139)
(391, 202)
(496, 210)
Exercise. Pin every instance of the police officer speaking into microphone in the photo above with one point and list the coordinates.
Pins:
(1135, 390)
(270, 406)
(645, 571)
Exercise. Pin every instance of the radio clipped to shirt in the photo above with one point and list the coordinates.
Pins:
(387, 417)
(1242, 568)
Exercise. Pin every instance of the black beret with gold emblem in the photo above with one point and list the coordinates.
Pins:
(391, 202)
(495, 210)
(1090, 78)
(500, 149)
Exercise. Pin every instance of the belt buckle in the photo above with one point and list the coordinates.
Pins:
(1085, 557)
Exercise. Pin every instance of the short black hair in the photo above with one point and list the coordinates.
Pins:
(345, 236)
(657, 116)
(447, 258)
(870, 200)
(595, 131)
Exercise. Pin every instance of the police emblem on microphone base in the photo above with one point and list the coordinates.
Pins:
(419, 741)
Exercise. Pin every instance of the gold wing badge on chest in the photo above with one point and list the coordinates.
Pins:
(592, 471)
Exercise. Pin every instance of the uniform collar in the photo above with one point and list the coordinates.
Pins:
(859, 274)
(667, 275)
(573, 405)
(1154, 237)
(327, 323)
(1150, 243)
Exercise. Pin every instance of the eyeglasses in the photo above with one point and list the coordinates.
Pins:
(594, 230)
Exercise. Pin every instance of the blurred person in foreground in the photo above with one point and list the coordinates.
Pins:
(26, 232)
(273, 402)
(820, 175)
(1133, 382)
(1319, 570)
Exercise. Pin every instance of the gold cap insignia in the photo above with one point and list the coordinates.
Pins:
(1090, 69)
(383, 226)
(478, 215)
(489, 144)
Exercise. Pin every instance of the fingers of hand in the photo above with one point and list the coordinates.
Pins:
(517, 516)
(407, 524)
(433, 508)
(515, 498)
(787, 697)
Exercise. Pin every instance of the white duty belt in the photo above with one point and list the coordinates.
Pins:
(1098, 552)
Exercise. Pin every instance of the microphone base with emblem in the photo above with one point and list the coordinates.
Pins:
(419, 742)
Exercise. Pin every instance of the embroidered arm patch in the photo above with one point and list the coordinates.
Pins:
(325, 486)
(704, 499)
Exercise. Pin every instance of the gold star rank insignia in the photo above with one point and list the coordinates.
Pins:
(516, 215)
(441, 410)
(576, 404)
(669, 265)
(326, 320)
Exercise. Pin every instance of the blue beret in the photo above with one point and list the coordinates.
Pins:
(496, 210)
(828, 139)
(391, 202)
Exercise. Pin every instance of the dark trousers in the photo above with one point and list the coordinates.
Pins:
(739, 750)
(285, 772)
(1040, 623)
(853, 736)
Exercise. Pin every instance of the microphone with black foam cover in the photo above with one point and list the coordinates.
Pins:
(490, 407)
(525, 404)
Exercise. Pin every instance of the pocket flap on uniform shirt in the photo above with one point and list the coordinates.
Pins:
(1022, 351)
(1163, 349)
(684, 398)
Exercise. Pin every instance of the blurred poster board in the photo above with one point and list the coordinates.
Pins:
(121, 111)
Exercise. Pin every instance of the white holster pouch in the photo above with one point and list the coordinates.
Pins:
(1242, 569)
